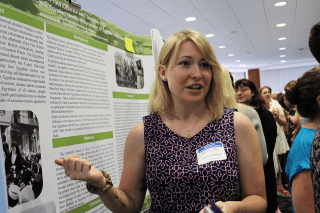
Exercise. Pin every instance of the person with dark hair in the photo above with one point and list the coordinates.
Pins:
(314, 41)
(190, 150)
(305, 93)
(247, 93)
(282, 146)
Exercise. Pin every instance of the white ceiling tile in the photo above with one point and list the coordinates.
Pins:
(236, 4)
(212, 6)
(168, 4)
(184, 11)
(218, 14)
(309, 7)
(158, 16)
(122, 3)
(140, 8)
(224, 21)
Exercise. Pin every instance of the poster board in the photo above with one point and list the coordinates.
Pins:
(71, 83)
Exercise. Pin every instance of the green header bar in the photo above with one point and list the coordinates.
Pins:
(59, 14)
(88, 206)
(123, 95)
(80, 139)
(20, 17)
(70, 35)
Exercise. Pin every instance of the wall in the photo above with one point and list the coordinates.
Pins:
(278, 78)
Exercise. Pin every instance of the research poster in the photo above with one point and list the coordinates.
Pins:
(71, 83)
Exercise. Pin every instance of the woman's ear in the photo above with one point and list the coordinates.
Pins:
(162, 72)
(318, 100)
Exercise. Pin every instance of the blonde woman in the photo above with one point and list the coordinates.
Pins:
(190, 150)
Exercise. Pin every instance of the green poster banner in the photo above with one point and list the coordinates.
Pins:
(20, 17)
(123, 95)
(80, 139)
(88, 206)
(70, 35)
(58, 14)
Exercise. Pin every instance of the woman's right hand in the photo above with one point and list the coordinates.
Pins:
(80, 169)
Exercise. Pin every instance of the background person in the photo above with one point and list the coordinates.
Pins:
(186, 105)
(314, 41)
(247, 93)
(305, 94)
(281, 147)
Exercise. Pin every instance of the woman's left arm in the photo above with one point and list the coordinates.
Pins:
(302, 192)
(251, 174)
(281, 119)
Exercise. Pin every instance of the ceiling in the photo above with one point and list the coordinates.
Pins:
(247, 28)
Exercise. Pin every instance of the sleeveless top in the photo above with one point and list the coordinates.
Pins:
(175, 180)
(315, 169)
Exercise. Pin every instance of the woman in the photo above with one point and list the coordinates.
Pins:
(247, 93)
(167, 152)
(305, 94)
(281, 147)
(230, 102)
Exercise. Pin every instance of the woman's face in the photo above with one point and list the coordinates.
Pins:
(190, 78)
(266, 95)
(244, 95)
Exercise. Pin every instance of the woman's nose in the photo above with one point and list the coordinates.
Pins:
(196, 72)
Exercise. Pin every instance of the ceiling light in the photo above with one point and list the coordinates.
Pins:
(282, 48)
(209, 35)
(281, 3)
(282, 56)
(281, 39)
(281, 25)
(221, 47)
(233, 32)
(231, 55)
(283, 61)
(237, 61)
(191, 19)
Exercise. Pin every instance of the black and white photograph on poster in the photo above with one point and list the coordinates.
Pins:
(21, 147)
(129, 71)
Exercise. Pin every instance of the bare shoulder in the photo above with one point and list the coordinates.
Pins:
(137, 132)
(135, 138)
(241, 121)
(244, 129)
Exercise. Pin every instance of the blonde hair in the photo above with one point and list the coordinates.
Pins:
(229, 99)
(160, 97)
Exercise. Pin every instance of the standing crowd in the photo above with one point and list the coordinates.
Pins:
(211, 142)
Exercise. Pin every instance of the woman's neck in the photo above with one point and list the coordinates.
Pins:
(313, 124)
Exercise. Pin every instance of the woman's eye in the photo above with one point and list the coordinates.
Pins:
(205, 65)
(185, 63)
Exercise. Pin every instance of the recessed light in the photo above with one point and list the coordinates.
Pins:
(231, 55)
(282, 48)
(283, 61)
(281, 25)
(281, 39)
(191, 19)
(221, 47)
(281, 3)
(209, 35)
(282, 56)
(237, 61)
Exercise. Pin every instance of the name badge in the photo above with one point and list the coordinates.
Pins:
(211, 152)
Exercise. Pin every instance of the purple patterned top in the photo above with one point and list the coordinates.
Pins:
(177, 183)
